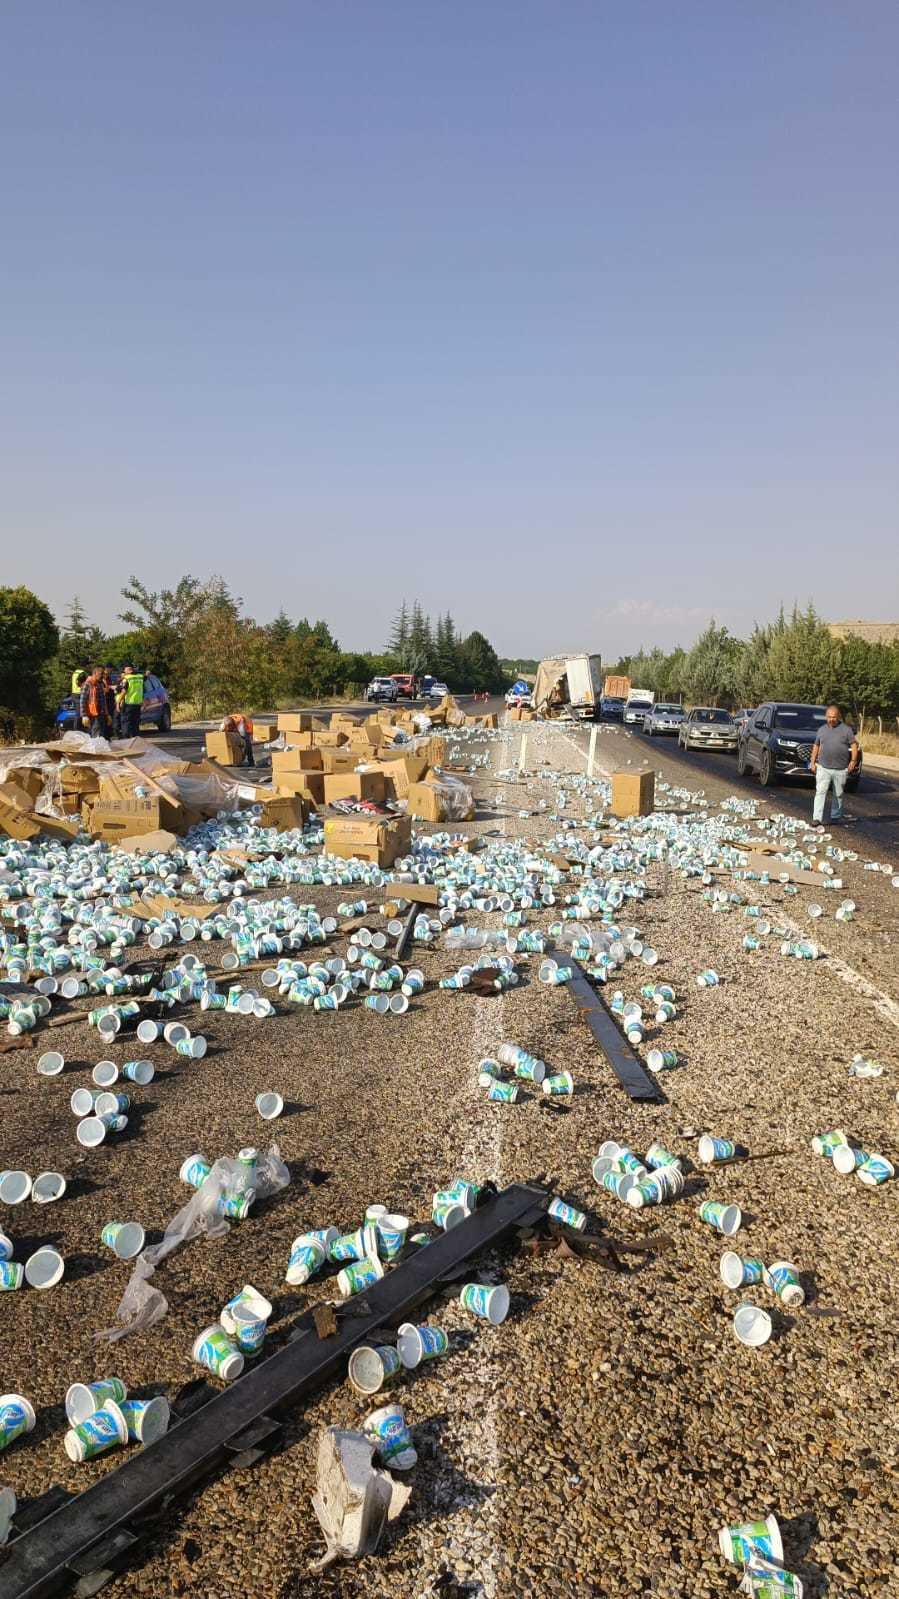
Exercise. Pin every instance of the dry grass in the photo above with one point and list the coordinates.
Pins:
(880, 743)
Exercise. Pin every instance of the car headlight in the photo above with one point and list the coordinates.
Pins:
(788, 743)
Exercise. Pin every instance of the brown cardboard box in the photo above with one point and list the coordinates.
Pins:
(342, 723)
(309, 785)
(16, 822)
(263, 731)
(324, 739)
(354, 785)
(633, 793)
(424, 802)
(13, 793)
(29, 778)
(375, 838)
(400, 771)
(370, 732)
(226, 748)
(299, 741)
(78, 779)
(345, 760)
(296, 761)
(295, 722)
(112, 819)
(284, 811)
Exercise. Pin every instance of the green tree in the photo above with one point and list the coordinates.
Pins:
(398, 643)
(803, 659)
(280, 629)
(479, 665)
(29, 639)
(163, 621)
(867, 680)
(445, 659)
(708, 674)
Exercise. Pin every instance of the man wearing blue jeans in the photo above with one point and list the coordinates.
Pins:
(834, 756)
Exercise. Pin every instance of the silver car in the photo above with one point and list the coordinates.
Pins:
(663, 719)
(707, 728)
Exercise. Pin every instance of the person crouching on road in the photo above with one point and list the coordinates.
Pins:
(834, 757)
(243, 727)
(130, 700)
(92, 706)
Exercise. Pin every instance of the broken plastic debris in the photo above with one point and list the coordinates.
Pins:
(355, 1499)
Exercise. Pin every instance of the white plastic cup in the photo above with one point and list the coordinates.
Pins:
(83, 1398)
(91, 1132)
(371, 1366)
(249, 1327)
(391, 1235)
(738, 1542)
(15, 1186)
(141, 1072)
(489, 1303)
(193, 1048)
(173, 1032)
(782, 1277)
(146, 1419)
(51, 1063)
(125, 1238)
(752, 1326)
(105, 1429)
(269, 1106)
(358, 1275)
(213, 1349)
(47, 1187)
(250, 1296)
(105, 1073)
(307, 1256)
(148, 1031)
(83, 1101)
(419, 1343)
(44, 1268)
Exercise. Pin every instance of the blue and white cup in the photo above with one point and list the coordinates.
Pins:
(359, 1275)
(502, 1093)
(657, 1155)
(146, 1419)
(16, 1418)
(249, 1327)
(12, 1275)
(559, 1083)
(387, 1430)
(416, 1344)
(447, 1212)
(349, 1246)
(139, 1071)
(391, 1230)
(214, 1350)
(489, 1303)
(195, 1170)
(7, 1249)
(783, 1280)
(372, 1366)
(83, 1398)
(739, 1272)
(124, 1238)
(725, 1219)
(106, 1429)
(712, 1150)
(568, 1214)
(307, 1256)
(739, 1542)
(661, 1060)
(874, 1171)
(248, 1295)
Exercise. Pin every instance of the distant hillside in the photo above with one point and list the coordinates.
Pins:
(871, 632)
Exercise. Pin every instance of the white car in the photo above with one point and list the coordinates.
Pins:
(381, 688)
(438, 691)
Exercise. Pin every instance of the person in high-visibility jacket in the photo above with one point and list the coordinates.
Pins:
(78, 676)
(130, 700)
(92, 705)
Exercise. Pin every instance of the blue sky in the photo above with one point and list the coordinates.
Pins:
(579, 320)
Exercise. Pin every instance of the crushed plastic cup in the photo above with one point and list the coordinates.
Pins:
(738, 1542)
(725, 1219)
(16, 1418)
(51, 1063)
(386, 1429)
(248, 1295)
(358, 1275)
(12, 1274)
(106, 1429)
(146, 1419)
(83, 1398)
(568, 1214)
(45, 1268)
(875, 1170)
(752, 1325)
(486, 1302)
(47, 1187)
(782, 1278)
(105, 1073)
(124, 1238)
(416, 1344)
(213, 1349)
(738, 1272)
(371, 1366)
(559, 1083)
(353, 1246)
(767, 1579)
(307, 1256)
(15, 1186)
(712, 1150)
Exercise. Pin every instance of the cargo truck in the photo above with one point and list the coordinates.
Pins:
(569, 682)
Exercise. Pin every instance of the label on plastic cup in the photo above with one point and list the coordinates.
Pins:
(391, 1232)
(489, 1303)
(569, 1214)
(783, 1280)
(146, 1419)
(12, 1275)
(105, 1429)
(307, 1255)
(559, 1083)
(249, 1327)
(83, 1398)
(738, 1542)
(16, 1417)
(416, 1344)
(738, 1272)
(359, 1275)
(506, 1093)
(711, 1150)
(724, 1218)
(214, 1350)
(387, 1430)
(875, 1170)
(195, 1170)
(124, 1238)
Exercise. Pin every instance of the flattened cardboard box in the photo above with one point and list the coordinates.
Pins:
(78, 779)
(309, 785)
(377, 839)
(29, 778)
(226, 748)
(295, 722)
(17, 823)
(354, 785)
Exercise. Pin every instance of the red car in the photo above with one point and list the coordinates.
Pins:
(406, 684)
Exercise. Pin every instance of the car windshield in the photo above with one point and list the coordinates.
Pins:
(799, 716)
(711, 716)
(667, 710)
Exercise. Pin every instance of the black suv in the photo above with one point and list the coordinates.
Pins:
(777, 741)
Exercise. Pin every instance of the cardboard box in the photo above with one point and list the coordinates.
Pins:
(425, 803)
(226, 748)
(16, 822)
(400, 772)
(375, 838)
(341, 722)
(284, 812)
(114, 819)
(264, 730)
(295, 761)
(29, 778)
(79, 779)
(369, 732)
(633, 793)
(295, 722)
(345, 760)
(355, 785)
(325, 739)
(12, 793)
(309, 785)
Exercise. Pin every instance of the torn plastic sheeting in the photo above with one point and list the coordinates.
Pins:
(355, 1499)
(141, 1305)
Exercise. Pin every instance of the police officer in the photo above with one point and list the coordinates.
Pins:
(130, 699)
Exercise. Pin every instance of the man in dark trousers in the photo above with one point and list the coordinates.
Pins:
(834, 756)
(93, 707)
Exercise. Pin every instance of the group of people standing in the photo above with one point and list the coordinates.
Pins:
(106, 708)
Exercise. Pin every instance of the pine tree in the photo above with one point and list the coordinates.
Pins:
(280, 629)
(398, 642)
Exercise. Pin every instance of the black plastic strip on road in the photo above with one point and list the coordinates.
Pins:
(635, 1078)
(58, 1549)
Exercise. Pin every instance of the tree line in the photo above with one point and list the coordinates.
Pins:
(214, 658)
(793, 658)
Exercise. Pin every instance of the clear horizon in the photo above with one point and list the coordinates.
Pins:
(579, 322)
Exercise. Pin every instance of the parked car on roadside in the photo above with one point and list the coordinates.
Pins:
(663, 718)
(707, 727)
(438, 691)
(382, 688)
(777, 742)
(156, 709)
(611, 708)
(406, 685)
